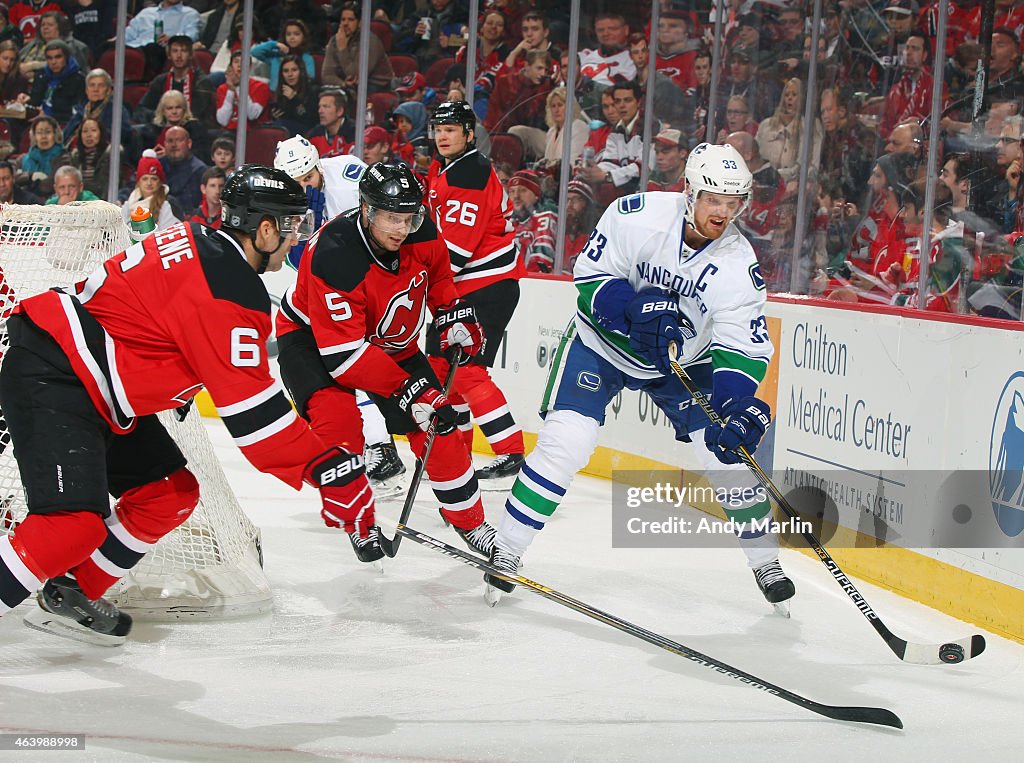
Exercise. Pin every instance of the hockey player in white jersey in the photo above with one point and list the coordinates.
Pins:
(332, 187)
(661, 271)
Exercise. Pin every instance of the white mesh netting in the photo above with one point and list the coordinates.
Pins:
(211, 566)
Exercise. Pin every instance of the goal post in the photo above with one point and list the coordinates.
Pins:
(209, 567)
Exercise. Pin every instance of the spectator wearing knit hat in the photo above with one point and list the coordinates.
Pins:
(151, 193)
(534, 227)
(581, 212)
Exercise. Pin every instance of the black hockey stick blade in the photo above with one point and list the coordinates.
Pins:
(949, 653)
(878, 716)
(390, 545)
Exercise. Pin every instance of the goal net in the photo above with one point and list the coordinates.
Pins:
(209, 567)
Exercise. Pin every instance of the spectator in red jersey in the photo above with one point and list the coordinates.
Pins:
(536, 34)
(25, 15)
(518, 103)
(212, 184)
(669, 161)
(336, 134)
(911, 95)
(491, 48)
(227, 97)
(767, 192)
(668, 97)
(610, 115)
(676, 49)
(534, 227)
(881, 224)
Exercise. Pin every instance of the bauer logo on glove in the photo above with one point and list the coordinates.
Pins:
(458, 327)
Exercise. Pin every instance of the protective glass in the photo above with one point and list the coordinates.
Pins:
(300, 226)
(395, 222)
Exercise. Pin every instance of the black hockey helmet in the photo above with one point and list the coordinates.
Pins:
(454, 113)
(254, 192)
(392, 187)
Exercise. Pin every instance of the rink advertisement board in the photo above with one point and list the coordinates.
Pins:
(899, 432)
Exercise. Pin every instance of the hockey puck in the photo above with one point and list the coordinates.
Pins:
(951, 653)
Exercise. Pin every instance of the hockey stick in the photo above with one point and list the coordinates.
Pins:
(876, 715)
(920, 654)
(390, 545)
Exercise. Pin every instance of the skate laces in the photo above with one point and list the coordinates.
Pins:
(374, 457)
(505, 561)
(369, 540)
(769, 573)
(480, 538)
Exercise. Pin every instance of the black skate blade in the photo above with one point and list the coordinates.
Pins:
(63, 627)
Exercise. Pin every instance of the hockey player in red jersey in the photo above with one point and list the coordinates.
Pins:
(90, 366)
(352, 321)
(473, 212)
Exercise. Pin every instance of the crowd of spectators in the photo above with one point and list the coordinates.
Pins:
(867, 141)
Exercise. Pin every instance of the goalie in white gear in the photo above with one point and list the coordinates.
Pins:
(332, 187)
(662, 272)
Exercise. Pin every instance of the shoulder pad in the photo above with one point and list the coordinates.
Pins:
(340, 257)
(472, 172)
(427, 232)
(228, 275)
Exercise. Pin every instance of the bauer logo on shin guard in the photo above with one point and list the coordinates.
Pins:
(343, 471)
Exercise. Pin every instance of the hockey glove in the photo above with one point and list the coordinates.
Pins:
(345, 491)
(423, 402)
(654, 328)
(458, 327)
(746, 419)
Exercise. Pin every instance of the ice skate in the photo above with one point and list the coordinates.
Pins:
(66, 611)
(501, 472)
(776, 587)
(368, 549)
(385, 470)
(506, 562)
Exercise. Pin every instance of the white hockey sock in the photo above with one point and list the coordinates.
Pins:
(375, 430)
(564, 446)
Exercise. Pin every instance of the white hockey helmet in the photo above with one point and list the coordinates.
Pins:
(296, 157)
(716, 169)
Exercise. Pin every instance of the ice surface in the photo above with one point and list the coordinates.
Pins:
(412, 665)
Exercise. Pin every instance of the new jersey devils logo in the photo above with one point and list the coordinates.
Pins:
(404, 315)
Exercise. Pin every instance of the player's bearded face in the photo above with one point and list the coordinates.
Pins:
(712, 212)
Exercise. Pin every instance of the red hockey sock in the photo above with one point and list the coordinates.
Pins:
(140, 518)
(42, 547)
(452, 478)
(490, 409)
(334, 417)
